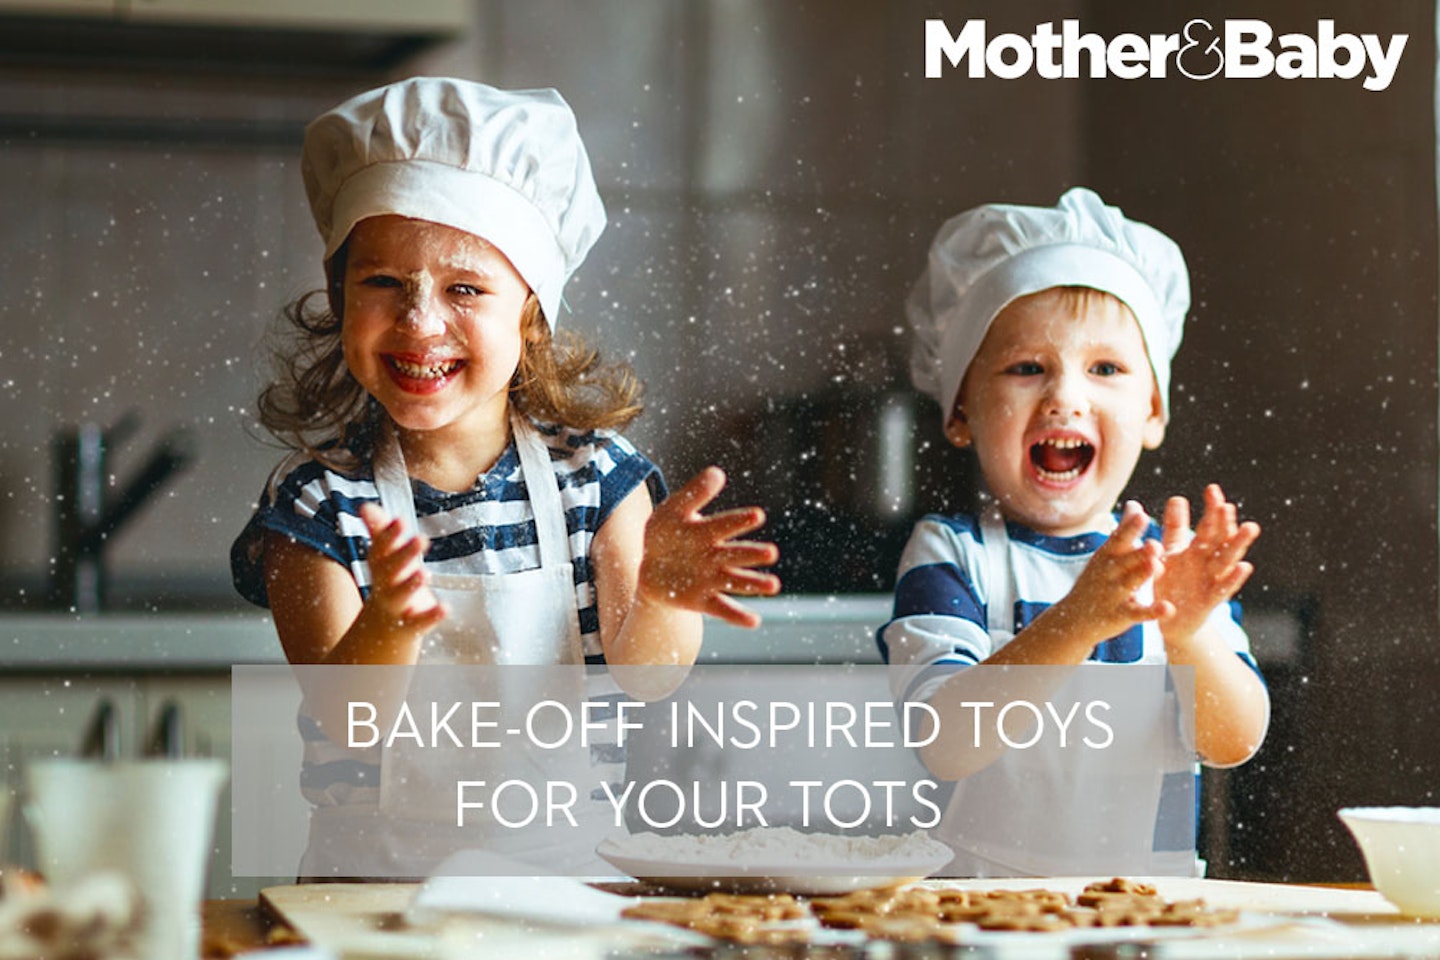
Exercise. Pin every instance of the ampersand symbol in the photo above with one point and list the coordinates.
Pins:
(1212, 50)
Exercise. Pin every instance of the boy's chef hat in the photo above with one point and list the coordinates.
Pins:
(507, 166)
(987, 257)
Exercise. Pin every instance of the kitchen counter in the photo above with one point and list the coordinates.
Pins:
(1281, 920)
(136, 641)
(796, 629)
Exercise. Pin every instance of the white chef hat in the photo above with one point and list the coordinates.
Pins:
(504, 165)
(985, 258)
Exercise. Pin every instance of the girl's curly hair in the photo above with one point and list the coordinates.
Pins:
(315, 404)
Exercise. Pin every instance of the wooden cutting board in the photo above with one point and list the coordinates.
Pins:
(362, 921)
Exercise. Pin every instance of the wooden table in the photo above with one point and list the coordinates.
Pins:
(1319, 922)
(233, 926)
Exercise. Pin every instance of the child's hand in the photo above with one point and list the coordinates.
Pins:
(694, 561)
(400, 599)
(1203, 570)
(1103, 600)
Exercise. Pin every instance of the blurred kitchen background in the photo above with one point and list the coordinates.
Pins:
(774, 173)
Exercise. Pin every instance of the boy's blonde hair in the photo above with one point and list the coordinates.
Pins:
(315, 404)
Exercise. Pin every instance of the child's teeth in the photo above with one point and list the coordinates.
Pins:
(430, 372)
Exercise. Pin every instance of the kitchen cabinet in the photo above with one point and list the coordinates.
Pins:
(415, 16)
(247, 35)
(45, 716)
(52, 714)
(411, 16)
(49, 8)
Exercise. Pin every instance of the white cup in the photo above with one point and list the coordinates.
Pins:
(151, 820)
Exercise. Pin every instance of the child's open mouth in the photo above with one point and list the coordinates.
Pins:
(1061, 459)
(418, 377)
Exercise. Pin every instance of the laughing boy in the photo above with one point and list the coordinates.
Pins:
(1046, 334)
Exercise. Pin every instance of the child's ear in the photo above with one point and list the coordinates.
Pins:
(534, 330)
(1153, 433)
(957, 429)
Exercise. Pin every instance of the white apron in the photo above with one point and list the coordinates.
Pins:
(1048, 811)
(526, 617)
(523, 617)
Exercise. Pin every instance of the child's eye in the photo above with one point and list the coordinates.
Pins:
(1106, 368)
(1025, 368)
(379, 280)
(466, 290)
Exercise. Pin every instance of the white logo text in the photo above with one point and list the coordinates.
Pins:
(1240, 49)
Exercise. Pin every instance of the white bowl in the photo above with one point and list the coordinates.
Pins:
(1402, 852)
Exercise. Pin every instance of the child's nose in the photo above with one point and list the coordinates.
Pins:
(1066, 396)
(423, 317)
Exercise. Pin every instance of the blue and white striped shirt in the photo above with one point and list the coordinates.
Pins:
(487, 529)
(939, 624)
(940, 627)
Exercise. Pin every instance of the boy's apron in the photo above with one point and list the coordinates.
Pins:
(1052, 811)
(525, 617)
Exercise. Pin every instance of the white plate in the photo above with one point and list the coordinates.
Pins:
(814, 879)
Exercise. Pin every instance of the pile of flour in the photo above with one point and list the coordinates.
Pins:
(778, 845)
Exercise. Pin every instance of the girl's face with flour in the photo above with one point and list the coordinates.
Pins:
(432, 324)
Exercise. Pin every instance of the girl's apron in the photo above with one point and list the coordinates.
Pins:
(523, 618)
(1052, 811)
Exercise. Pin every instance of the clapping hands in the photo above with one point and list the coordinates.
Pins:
(1203, 568)
(1192, 572)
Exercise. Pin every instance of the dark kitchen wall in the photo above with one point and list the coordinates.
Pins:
(153, 223)
(774, 173)
(1307, 387)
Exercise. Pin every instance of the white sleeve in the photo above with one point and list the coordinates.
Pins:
(938, 622)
